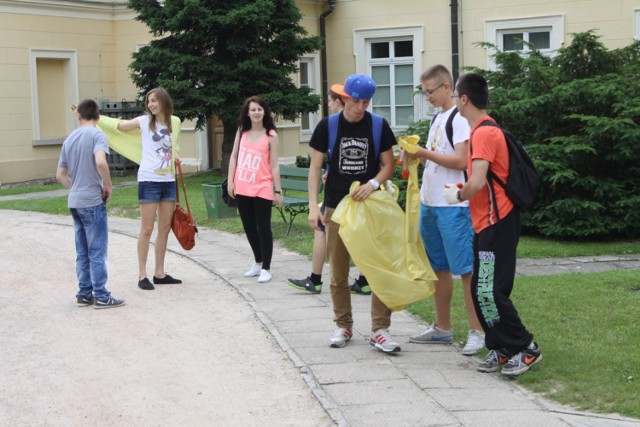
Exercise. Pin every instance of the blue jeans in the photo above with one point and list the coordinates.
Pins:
(91, 232)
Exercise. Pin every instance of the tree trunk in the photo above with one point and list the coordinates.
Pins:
(230, 130)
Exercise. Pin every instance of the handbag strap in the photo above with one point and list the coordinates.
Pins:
(184, 189)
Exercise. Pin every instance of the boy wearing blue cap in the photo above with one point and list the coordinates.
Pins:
(353, 157)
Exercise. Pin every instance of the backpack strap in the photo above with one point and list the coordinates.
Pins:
(449, 126)
(333, 121)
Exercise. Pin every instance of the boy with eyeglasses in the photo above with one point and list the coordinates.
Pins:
(446, 229)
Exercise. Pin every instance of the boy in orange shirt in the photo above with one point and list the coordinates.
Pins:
(496, 224)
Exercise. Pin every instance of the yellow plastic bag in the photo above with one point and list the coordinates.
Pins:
(375, 234)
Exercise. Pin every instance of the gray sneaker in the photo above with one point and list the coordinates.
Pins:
(493, 361)
(110, 302)
(521, 362)
(433, 335)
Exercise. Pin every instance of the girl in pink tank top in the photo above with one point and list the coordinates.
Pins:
(254, 181)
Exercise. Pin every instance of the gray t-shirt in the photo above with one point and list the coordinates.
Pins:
(77, 156)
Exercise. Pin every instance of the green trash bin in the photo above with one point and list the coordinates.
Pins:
(213, 200)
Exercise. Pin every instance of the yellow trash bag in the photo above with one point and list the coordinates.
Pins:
(375, 232)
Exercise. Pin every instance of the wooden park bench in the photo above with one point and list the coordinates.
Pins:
(294, 179)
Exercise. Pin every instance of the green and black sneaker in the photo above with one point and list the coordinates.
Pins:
(361, 286)
(305, 285)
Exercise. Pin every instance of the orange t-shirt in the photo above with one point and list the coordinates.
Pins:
(253, 170)
(488, 143)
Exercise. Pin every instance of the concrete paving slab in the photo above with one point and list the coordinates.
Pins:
(492, 399)
(414, 413)
(520, 418)
(376, 392)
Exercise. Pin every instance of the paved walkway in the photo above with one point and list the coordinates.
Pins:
(356, 385)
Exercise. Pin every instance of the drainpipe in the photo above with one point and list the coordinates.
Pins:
(455, 60)
(323, 57)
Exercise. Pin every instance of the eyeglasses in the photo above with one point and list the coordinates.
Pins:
(432, 91)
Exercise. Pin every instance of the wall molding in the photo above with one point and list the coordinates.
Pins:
(85, 9)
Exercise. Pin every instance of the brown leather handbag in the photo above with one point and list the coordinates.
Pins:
(182, 223)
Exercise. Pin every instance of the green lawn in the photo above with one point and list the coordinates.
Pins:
(586, 324)
(587, 328)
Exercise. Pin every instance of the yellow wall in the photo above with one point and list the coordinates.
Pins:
(103, 38)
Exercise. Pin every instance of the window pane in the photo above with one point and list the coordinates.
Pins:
(381, 75)
(384, 112)
(382, 96)
(512, 41)
(380, 50)
(404, 95)
(304, 74)
(404, 116)
(403, 48)
(305, 122)
(404, 74)
(541, 40)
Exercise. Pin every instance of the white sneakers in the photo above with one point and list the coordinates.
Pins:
(254, 270)
(257, 270)
(265, 276)
(475, 343)
(382, 341)
(340, 337)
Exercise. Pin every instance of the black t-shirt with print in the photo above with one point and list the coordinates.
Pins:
(353, 156)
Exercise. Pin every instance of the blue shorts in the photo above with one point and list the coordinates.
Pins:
(155, 192)
(448, 238)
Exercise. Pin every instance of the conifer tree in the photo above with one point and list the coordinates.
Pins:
(213, 54)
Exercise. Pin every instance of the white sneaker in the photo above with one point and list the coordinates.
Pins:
(254, 270)
(340, 337)
(382, 341)
(475, 343)
(265, 276)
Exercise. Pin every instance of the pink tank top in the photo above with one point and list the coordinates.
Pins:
(253, 171)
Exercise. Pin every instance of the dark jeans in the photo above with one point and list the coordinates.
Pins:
(494, 269)
(255, 213)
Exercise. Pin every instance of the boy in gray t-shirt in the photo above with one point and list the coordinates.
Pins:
(84, 170)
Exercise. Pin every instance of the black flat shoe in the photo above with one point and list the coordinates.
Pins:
(166, 280)
(146, 285)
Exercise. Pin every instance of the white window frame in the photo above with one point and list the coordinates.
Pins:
(362, 39)
(493, 30)
(71, 85)
(636, 24)
(313, 67)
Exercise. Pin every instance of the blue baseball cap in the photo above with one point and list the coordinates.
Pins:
(357, 86)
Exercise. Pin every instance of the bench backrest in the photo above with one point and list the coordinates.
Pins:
(292, 178)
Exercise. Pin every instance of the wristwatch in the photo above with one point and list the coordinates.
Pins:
(375, 184)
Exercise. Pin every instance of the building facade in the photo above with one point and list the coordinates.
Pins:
(56, 52)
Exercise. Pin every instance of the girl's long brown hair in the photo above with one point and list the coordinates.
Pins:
(166, 105)
(244, 122)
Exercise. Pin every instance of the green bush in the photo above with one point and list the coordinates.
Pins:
(578, 115)
(303, 161)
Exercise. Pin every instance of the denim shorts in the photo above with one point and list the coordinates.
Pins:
(448, 238)
(155, 192)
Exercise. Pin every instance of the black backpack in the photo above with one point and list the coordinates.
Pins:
(523, 180)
